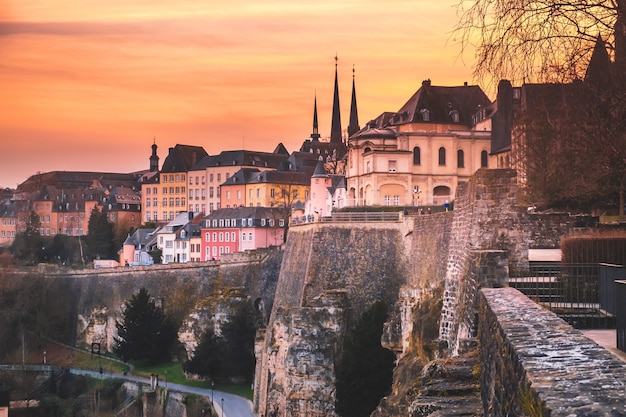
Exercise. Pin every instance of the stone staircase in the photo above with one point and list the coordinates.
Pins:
(450, 387)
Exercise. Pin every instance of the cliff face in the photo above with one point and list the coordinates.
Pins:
(199, 295)
(428, 268)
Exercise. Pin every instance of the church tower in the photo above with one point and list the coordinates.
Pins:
(335, 128)
(154, 158)
(353, 127)
(315, 136)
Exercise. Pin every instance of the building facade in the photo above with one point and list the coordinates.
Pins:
(419, 154)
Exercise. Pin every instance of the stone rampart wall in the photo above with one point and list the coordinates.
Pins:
(534, 363)
(93, 299)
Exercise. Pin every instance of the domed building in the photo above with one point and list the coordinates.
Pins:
(419, 154)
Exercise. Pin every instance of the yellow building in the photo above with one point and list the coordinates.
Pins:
(419, 154)
(168, 191)
(254, 188)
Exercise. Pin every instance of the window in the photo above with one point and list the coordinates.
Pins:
(258, 193)
(396, 200)
(387, 200)
(425, 115)
(460, 158)
(207, 237)
(221, 222)
(243, 236)
(171, 201)
(392, 166)
(148, 191)
(454, 115)
(250, 193)
(210, 192)
(178, 178)
(250, 236)
(227, 237)
(210, 177)
(218, 191)
(417, 157)
(191, 193)
(219, 177)
(442, 156)
(177, 190)
(155, 216)
(238, 194)
(272, 193)
(214, 251)
(271, 222)
(177, 202)
(250, 222)
(164, 178)
(169, 244)
(214, 236)
(164, 190)
(263, 222)
(368, 168)
(233, 236)
(227, 195)
(148, 202)
(483, 159)
(171, 190)
(154, 190)
(155, 202)
(281, 222)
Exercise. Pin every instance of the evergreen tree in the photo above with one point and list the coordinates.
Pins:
(145, 332)
(100, 236)
(230, 355)
(206, 360)
(238, 335)
(28, 246)
(364, 374)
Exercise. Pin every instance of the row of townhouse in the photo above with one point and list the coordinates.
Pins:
(63, 201)
(230, 179)
(195, 237)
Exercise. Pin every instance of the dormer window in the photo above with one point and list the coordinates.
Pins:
(454, 115)
(425, 115)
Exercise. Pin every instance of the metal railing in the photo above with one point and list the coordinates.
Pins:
(572, 291)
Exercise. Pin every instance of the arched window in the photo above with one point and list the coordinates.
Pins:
(483, 159)
(366, 150)
(460, 156)
(417, 157)
(442, 156)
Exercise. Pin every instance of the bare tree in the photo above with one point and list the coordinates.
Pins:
(538, 40)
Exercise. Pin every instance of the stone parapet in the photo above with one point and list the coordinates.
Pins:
(534, 363)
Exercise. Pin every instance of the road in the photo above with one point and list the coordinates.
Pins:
(226, 405)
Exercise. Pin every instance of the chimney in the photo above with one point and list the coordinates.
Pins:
(426, 83)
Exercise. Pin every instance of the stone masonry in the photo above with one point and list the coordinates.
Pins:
(534, 363)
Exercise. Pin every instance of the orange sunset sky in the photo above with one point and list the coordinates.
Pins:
(86, 85)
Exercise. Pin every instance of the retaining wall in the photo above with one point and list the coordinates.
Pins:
(534, 363)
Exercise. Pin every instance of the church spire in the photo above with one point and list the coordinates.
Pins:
(353, 127)
(315, 136)
(335, 128)
(154, 158)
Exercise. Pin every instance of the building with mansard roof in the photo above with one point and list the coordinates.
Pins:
(419, 154)
(239, 229)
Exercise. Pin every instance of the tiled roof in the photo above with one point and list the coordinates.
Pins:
(183, 158)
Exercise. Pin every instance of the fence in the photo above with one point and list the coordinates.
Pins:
(620, 294)
(572, 291)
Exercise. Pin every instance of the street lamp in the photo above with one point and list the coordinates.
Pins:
(222, 407)
(165, 379)
(212, 388)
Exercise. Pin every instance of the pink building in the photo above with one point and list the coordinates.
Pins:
(239, 229)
